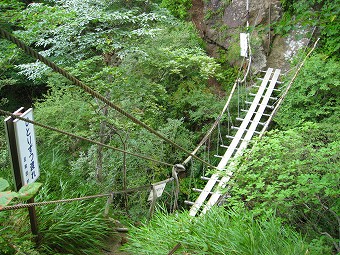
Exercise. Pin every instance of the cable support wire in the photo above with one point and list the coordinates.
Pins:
(249, 38)
(217, 121)
(28, 205)
(90, 91)
(230, 121)
(219, 138)
(5, 113)
(287, 89)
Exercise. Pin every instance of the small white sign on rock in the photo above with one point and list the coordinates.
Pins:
(244, 40)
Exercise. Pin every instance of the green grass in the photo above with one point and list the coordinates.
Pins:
(217, 232)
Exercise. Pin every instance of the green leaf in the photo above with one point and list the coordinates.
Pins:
(3, 184)
(6, 197)
(29, 190)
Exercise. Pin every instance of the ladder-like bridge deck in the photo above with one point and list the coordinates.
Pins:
(238, 144)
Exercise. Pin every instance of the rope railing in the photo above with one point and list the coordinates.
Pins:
(6, 113)
(215, 124)
(28, 205)
(33, 53)
(282, 97)
(69, 200)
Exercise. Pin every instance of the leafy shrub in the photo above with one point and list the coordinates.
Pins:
(295, 173)
(322, 14)
(178, 8)
(26, 192)
(14, 235)
(314, 96)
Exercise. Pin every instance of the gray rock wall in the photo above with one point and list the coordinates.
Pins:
(221, 21)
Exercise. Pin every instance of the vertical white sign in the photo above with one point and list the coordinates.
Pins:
(27, 149)
(244, 37)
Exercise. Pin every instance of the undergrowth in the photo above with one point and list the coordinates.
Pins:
(217, 232)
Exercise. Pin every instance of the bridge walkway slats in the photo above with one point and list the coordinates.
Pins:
(233, 147)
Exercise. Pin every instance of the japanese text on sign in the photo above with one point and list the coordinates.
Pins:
(27, 151)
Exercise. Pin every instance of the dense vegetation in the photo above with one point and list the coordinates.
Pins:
(217, 232)
(285, 194)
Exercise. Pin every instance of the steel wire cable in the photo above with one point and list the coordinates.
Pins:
(5, 113)
(90, 91)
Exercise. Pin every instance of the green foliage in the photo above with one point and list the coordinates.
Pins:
(322, 14)
(9, 9)
(226, 74)
(178, 8)
(176, 55)
(71, 31)
(10, 242)
(314, 95)
(294, 172)
(72, 228)
(3, 184)
(217, 232)
(26, 192)
(13, 86)
(13, 239)
(193, 102)
(52, 112)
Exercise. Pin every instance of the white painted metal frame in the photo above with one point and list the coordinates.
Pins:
(230, 170)
(232, 147)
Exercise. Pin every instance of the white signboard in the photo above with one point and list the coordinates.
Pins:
(244, 38)
(27, 150)
(159, 190)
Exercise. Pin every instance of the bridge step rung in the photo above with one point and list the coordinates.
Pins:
(260, 123)
(267, 106)
(264, 114)
(226, 146)
(188, 202)
(204, 178)
(272, 98)
(263, 71)
(278, 82)
(201, 190)
(277, 90)
(237, 128)
(232, 137)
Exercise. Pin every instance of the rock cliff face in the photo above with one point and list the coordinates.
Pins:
(221, 21)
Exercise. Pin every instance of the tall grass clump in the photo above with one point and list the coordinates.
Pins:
(217, 232)
(74, 228)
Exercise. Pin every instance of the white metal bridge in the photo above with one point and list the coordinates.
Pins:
(257, 116)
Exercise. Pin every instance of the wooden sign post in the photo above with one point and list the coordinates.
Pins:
(24, 157)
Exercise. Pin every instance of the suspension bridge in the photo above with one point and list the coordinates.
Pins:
(255, 121)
